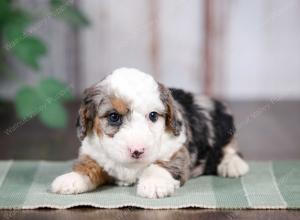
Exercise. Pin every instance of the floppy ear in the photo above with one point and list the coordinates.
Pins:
(87, 114)
(172, 122)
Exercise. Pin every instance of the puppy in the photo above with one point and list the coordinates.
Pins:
(134, 129)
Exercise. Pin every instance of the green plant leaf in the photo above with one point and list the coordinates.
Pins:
(5, 6)
(44, 101)
(54, 115)
(65, 11)
(29, 50)
(27, 102)
(55, 89)
(15, 24)
(26, 48)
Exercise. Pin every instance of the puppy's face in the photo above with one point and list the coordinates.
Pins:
(129, 112)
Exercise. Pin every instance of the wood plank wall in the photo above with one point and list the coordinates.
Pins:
(231, 48)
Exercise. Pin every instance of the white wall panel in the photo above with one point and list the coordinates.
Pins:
(263, 50)
(181, 37)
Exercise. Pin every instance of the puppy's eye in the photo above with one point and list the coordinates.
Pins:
(115, 119)
(153, 116)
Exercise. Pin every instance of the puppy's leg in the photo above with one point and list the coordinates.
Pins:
(232, 165)
(86, 176)
(156, 182)
(164, 177)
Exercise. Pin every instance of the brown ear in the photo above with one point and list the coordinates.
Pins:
(87, 114)
(172, 122)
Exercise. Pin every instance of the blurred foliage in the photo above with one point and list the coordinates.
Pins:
(45, 99)
(70, 14)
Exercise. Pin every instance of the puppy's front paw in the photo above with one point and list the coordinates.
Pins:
(157, 187)
(71, 183)
(232, 166)
(157, 183)
(124, 183)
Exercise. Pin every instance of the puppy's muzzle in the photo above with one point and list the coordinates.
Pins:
(136, 153)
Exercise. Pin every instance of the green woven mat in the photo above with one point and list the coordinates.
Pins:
(269, 185)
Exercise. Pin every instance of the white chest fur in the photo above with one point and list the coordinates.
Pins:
(127, 175)
(124, 175)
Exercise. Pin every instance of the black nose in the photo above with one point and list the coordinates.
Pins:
(136, 154)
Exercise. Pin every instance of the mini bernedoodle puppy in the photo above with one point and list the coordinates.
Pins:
(135, 130)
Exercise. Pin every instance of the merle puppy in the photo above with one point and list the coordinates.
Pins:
(135, 130)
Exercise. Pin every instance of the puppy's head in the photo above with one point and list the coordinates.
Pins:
(128, 112)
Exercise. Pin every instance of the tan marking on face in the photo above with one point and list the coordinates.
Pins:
(119, 105)
(89, 167)
(97, 127)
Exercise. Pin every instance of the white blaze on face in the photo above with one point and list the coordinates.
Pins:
(141, 92)
(135, 87)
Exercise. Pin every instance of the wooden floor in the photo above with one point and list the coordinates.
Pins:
(267, 130)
